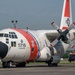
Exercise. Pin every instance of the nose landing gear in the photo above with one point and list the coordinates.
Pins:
(7, 64)
(10, 64)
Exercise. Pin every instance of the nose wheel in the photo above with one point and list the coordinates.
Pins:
(7, 64)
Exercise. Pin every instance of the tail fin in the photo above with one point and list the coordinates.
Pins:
(66, 15)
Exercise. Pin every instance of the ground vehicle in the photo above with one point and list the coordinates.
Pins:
(71, 57)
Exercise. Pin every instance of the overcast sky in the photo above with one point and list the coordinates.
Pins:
(35, 14)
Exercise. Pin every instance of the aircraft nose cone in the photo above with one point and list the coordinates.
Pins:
(3, 50)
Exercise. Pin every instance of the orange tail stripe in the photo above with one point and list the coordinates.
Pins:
(67, 9)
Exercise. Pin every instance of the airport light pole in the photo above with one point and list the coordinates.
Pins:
(14, 23)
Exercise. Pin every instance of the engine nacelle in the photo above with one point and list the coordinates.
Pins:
(56, 59)
(45, 54)
(53, 51)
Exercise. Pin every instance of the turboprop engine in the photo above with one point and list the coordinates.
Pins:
(63, 34)
(46, 54)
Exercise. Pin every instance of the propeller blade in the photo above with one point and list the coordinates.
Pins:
(63, 35)
(56, 27)
(71, 26)
(67, 30)
(54, 43)
(71, 44)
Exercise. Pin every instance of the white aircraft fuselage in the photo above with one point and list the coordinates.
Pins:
(28, 45)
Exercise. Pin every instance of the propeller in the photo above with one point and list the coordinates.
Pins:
(63, 34)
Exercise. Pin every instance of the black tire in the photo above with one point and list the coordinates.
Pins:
(6, 65)
(23, 64)
(49, 64)
(55, 64)
(52, 64)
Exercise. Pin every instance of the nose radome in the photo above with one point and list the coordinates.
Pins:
(3, 50)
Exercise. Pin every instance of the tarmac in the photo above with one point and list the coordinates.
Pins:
(40, 69)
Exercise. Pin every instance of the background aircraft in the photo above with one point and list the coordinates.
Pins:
(19, 46)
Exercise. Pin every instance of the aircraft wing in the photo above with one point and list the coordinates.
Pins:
(52, 35)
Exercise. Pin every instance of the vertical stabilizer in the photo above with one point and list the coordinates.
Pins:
(66, 19)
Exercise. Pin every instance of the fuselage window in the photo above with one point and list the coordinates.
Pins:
(13, 44)
(7, 41)
(32, 46)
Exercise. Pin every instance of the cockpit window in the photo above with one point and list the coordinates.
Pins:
(15, 36)
(12, 35)
(1, 34)
(5, 35)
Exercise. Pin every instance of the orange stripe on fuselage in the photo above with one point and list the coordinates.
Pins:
(29, 38)
(67, 9)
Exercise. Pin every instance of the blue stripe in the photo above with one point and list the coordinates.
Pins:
(37, 44)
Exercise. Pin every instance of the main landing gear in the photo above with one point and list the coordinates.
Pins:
(50, 64)
(53, 64)
(23, 64)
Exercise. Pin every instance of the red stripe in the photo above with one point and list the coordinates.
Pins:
(64, 28)
(73, 46)
(33, 54)
(67, 9)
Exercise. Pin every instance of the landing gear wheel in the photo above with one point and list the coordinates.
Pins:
(52, 64)
(49, 62)
(23, 64)
(6, 64)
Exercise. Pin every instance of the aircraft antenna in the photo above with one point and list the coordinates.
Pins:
(14, 22)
